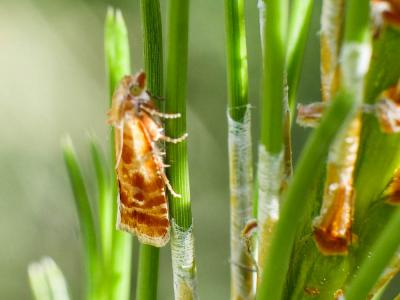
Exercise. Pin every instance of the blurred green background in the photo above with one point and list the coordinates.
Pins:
(53, 82)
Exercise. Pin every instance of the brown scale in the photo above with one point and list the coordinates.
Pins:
(312, 291)
(392, 191)
(333, 233)
(330, 43)
(387, 11)
(332, 228)
(142, 201)
(388, 109)
(338, 294)
(309, 115)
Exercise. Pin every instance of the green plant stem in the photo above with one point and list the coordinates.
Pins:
(182, 248)
(379, 155)
(299, 27)
(177, 51)
(271, 159)
(89, 234)
(118, 65)
(380, 255)
(355, 53)
(152, 42)
(273, 75)
(236, 59)
(240, 151)
(316, 149)
(147, 279)
(357, 21)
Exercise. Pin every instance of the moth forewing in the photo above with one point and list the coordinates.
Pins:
(142, 200)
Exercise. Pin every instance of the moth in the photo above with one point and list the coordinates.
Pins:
(142, 200)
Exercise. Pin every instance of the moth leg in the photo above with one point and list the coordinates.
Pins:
(169, 187)
(154, 112)
(173, 140)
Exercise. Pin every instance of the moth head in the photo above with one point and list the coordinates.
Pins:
(139, 84)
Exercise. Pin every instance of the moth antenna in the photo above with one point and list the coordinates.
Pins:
(172, 140)
(154, 112)
(121, 129)
(154, 96)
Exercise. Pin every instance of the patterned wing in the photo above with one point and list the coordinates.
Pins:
(142, 205)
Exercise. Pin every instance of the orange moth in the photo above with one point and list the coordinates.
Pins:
(142, 201)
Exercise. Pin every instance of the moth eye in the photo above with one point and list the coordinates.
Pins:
(135, 90)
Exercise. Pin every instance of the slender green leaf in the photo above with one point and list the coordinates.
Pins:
(85, 216)
(379, 257)
(47, 281)
(105, 203)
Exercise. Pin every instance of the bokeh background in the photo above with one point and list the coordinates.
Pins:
(52, 82)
